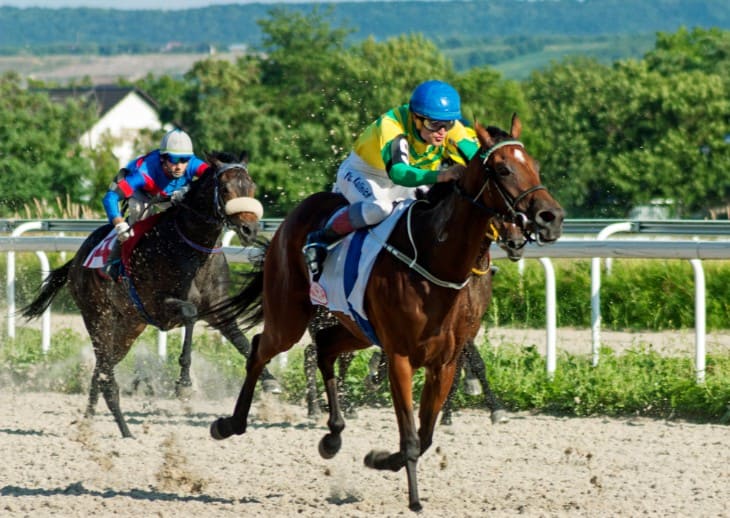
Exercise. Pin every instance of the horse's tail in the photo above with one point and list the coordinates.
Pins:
(56, 280)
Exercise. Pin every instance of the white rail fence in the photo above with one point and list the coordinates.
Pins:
(694, 250)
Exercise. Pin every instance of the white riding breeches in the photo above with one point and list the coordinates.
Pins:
(370, 189)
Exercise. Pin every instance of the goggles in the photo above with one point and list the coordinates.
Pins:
(176, 159)
(434, 126)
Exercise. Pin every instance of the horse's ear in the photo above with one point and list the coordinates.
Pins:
(243, 157)
(516, 129)
(485, 138)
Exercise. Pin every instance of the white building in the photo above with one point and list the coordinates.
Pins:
(123, 112)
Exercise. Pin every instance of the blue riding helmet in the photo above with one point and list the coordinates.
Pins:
(436, 100)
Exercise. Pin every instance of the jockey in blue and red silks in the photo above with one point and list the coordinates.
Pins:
(166, 171)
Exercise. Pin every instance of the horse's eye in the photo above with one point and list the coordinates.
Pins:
(503, 170)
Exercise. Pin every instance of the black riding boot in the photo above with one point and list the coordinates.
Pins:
(315, 249)
(318, 241)
(113, 262)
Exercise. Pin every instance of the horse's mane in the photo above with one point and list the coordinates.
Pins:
(498, 133)
(440, 191)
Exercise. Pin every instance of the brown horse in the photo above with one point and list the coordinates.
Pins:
(175, 271)
(512, 239)
(415, 299)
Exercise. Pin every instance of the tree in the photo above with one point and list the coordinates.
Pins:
(40, 155)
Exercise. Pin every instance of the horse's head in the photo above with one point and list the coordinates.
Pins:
(509, 236)
(234, 196)
(503, 177)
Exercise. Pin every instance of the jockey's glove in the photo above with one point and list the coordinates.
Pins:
(178, 195)
(124, 231)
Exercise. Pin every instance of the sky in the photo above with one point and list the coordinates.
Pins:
(140, 4)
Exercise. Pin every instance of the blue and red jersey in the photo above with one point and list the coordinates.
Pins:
(146, 174)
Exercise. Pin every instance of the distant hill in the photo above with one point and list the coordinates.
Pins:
(513, 36)
(107, 30)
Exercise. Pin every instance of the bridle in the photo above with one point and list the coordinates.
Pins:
(221, 210)
(519, 218)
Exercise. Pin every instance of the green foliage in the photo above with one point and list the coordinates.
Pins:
(40, 156)
(615, 137)
(629, 295)
(637, 382)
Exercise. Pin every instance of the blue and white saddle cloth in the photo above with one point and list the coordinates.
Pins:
(347, 270)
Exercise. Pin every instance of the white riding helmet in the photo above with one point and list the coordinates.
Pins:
(176, 143)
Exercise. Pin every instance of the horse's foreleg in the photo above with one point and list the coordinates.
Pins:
(224, 427)
(400, 375)
(93, 392)
(343, 365)
(448, 410)
(498, 414)
(435, 389)
(110, 389)
(234, 335)
(310, 373)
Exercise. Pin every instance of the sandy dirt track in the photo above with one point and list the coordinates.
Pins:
(55, 463)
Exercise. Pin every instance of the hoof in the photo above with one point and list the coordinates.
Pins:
(446, 420)
(271, 386)
(472, 387)
(416, 507)
(330, 445)
(500, 417)
(222, 428)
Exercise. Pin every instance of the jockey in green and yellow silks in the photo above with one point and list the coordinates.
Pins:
(402, 150)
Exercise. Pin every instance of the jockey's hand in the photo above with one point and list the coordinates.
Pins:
(452, 173)
(178, 195)
(124, 231)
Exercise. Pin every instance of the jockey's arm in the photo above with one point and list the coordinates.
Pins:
(123, 186)
(403, 173)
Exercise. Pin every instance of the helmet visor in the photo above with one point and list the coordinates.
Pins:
(433, 125)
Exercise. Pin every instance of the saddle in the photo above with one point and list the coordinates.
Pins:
(98, 258)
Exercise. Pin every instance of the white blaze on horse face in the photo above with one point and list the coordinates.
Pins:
(519, 155)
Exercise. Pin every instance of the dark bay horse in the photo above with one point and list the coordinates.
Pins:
(176, 271)
(512, 239)
(421, 318)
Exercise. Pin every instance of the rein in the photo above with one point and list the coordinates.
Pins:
(220, 214)
(411, 261)
(195, 246)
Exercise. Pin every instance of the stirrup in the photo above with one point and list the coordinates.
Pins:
(314, 255)
(112, 269)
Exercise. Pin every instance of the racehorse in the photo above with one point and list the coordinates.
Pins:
(415, 298)
(510, 238)
(175, 271)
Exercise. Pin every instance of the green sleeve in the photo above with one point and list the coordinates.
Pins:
(409, 176)
(467, 148)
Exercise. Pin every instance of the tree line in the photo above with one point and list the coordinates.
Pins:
(610, 137)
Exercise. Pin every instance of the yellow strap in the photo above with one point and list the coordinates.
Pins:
(495, 234)
(493, 237)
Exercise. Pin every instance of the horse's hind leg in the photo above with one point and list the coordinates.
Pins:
(331, 343)
(184, 384)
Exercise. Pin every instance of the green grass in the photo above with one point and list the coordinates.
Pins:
(638, 382)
